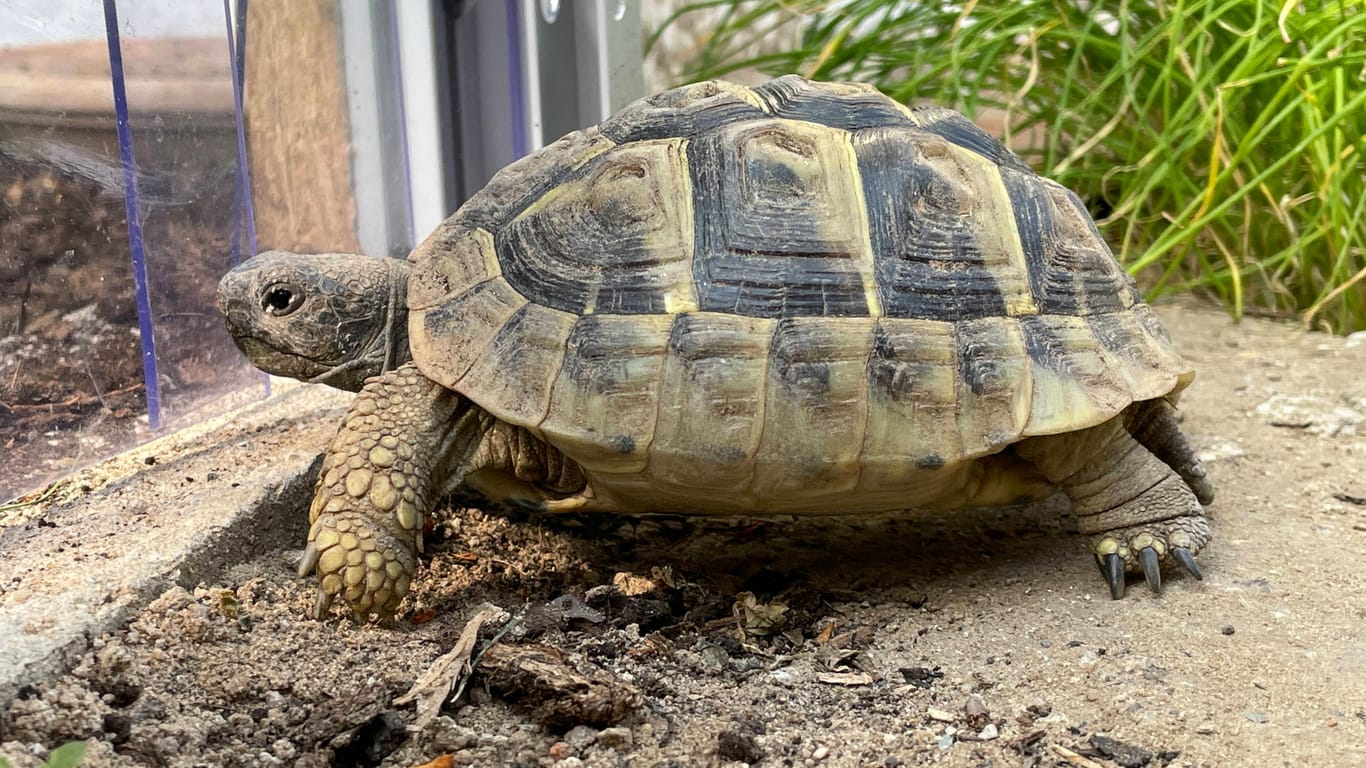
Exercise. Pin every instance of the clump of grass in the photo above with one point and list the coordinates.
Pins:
(1219, 142)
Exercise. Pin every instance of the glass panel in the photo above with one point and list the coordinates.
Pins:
(90, 365)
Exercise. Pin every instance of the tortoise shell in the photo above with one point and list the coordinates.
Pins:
(783, 295)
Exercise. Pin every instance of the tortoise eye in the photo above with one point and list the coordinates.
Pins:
(281, 299)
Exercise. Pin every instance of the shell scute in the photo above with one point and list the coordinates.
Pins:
(685, 112)
(607, 393)
(613, 237)
(780, 222)
(847, 106)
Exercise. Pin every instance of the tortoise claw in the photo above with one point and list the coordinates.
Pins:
(309, 560)
(526, 505)
(1152, 571)
(1187, 560)
(1112, 566)
(323, 604)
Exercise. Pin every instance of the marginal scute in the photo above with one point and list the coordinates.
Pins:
(515, 372)
(454, 258)
(1074, 387)
(815, 412)
(711, 400)
(995, 384)
(1138, 355)
(912, 399)
(604, 401)
(449, 337)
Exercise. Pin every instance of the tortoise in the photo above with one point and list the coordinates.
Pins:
(796, 298)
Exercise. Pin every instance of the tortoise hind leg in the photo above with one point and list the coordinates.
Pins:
(1154, 425)
(405, 441)
(1139, 511)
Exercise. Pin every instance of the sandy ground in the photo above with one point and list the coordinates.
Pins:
(979, 639)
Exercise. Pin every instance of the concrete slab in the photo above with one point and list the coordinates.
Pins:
(178, 510)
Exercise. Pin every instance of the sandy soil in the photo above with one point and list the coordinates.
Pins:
(980, 639)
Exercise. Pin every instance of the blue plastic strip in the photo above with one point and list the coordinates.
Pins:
(242, 204)
(130, 203)
(237, 52)
(520, 145)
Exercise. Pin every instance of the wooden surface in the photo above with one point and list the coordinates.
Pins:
(163, 75)
(297, 130)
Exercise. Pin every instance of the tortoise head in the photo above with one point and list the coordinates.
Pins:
(333, 318)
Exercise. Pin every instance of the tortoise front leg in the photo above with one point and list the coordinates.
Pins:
(405, 442)
(1139, 510)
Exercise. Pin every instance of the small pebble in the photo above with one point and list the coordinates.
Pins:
(618, 738)
(821, 753)
(1256, 717)
(580, 737)
(1046, 643)
(1228, 630)
(989, 732)
(940, 715)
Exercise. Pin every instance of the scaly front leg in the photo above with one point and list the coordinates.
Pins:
(376, 485)
(405, 442)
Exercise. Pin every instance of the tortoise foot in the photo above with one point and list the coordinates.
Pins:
(368, 566)
(1145, 548)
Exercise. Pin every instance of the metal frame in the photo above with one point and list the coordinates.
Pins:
(443, 93)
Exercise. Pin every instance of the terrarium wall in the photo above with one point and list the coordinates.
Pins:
(90, 364)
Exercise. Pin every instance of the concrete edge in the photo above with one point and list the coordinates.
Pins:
(179, 510)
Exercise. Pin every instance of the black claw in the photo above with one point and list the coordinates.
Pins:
(1152, 572)
(526, 505)
(1187, 561)
(1112, 566)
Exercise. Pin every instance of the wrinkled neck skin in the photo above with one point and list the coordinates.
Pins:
(388, 348)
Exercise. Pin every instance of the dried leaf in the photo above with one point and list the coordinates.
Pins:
(570, 608)
(758, 618)
(846, 678)
(664, 574)
(653, 644)
(632, 585)
(435, 685)
(560, 694)
(826, 633)
(1073, 758)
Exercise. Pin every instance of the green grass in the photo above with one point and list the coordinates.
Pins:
(1219, 142)
(69, 755)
